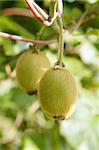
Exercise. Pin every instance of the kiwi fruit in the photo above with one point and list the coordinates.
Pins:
(57, 93)
(30, 67)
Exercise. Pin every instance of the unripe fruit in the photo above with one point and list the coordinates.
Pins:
(30, 68)
(57, 93)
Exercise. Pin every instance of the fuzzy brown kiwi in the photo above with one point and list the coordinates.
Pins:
(30, 67)
(57, 93)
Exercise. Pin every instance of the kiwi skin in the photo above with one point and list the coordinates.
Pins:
(57, 93)
(30, 67)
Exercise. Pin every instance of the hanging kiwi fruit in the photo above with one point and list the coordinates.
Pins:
(30, 67)
(57, 93)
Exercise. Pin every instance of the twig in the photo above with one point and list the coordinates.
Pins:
(19, 119)
(94, 11)
(19, 38)
(82, 19)
(34, 107)
(77, 25)
(10, 74)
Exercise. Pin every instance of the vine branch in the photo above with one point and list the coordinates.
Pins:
(19, 38)
(60, 7)
(79, 22)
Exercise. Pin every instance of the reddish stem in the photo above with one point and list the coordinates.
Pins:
(40, 11)
(60, 7)
(39, 14)
(19, 38)
(34, 11)
(17, 11)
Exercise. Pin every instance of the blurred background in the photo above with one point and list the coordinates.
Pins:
(23, 126)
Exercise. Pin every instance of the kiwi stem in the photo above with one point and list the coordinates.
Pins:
(52, 9)
(60, 50)
(41, 31)
(37, 47)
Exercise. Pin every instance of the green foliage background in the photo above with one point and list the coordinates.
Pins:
(81, 57)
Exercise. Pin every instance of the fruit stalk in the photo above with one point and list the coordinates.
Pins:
(60, 50)
(52, 9)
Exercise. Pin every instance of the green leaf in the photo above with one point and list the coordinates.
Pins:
(9, 24)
